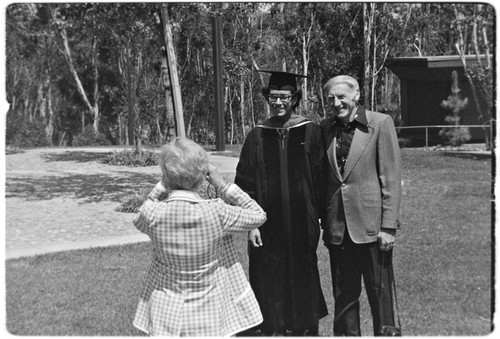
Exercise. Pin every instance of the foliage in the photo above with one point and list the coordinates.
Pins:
(13, 150)
(89, 137)
(133, 204)
(455, 135)
(132, 158)
(473, 25)
(114, 50)
(25, 133)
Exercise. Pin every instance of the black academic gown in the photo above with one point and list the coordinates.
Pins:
(283, 170)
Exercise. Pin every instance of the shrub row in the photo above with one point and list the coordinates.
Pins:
(132, 158)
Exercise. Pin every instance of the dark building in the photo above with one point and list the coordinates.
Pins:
(425, 83)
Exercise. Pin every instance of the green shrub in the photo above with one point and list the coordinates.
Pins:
(403, 142)
(456, 135)
(134, 203)
(132, 159)
(13, 150)
(90, 138)
(20, 133)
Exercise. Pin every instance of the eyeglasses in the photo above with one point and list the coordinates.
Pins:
(283, 98)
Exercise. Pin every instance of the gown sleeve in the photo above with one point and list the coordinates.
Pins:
(246, 169)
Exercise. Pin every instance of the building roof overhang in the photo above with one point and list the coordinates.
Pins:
(432, 68)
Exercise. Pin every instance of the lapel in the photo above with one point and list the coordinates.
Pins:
(331, 140)
(359, 141)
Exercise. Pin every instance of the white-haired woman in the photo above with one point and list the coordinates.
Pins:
(195, 285)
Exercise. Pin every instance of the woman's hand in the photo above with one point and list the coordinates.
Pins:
(214, 177)
(254, 238)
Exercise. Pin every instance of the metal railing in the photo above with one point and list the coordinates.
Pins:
(438, 126)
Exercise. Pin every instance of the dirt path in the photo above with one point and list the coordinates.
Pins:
(68, 195)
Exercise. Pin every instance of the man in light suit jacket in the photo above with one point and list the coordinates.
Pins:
(362, 205)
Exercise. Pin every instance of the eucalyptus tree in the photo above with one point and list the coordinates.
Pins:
(33, 69)
(134, 44)
(239, 35)
(191, 30)
(78, 27)
(299, 23)
(337, 47)
(20, 60)
(474, 25)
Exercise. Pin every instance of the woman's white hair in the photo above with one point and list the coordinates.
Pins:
(184, 164)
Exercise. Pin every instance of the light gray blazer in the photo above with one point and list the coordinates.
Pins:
(370, 188)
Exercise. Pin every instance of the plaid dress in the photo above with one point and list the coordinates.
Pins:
(195, 285)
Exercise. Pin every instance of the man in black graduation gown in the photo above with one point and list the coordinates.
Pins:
(281, 167)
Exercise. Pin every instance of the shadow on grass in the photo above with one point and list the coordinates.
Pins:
(468, 155)
(89, 188)
(78, 156)
(229, 150)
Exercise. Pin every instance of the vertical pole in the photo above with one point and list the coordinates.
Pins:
(426, 137)
(169, 104)
(220, 141)
(172, 68)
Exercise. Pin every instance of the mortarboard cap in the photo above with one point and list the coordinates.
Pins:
(283, 81)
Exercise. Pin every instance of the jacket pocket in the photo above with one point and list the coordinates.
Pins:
(371, 212)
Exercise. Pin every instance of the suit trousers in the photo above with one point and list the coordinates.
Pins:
(351, 262)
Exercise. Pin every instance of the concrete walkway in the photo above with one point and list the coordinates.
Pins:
(68, 221)
(39, 235)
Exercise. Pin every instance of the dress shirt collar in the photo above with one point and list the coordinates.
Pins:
(184, 195)
(359, 117)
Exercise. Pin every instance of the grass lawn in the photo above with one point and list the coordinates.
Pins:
(443, 265)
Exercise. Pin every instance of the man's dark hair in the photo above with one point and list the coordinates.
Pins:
(295, 96)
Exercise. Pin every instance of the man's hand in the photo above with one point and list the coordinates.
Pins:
(254, 238)
(386, 239)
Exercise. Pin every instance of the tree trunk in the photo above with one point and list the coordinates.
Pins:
(306, 41)
(120, 129)
(373, 68)
(130, 98)
(242, 107)
(252, 113)
(230, 104)
(61, 139)
(304, 66)
(138, 144)
(95, 71)
(83, 120)
(40, 98)
(188, 133)
(168, 97)
(172, 66)
(126, 137)
(49, 129)
(263, 85)
(97, 119)
(161, 138)
(322, 99)
(81, 91)
(189, 126)
(367, 29)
